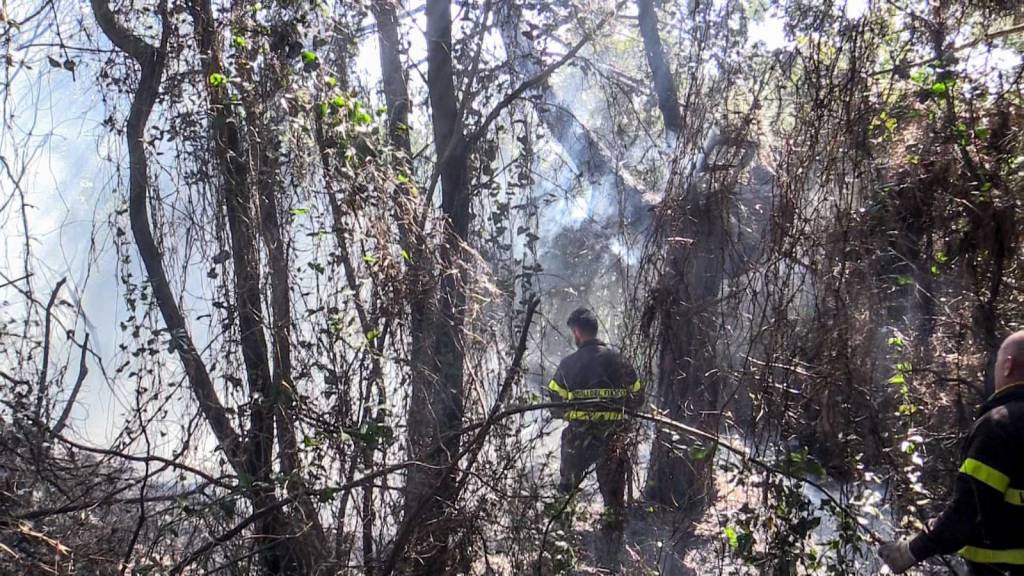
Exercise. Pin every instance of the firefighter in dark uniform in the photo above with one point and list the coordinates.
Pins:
(604, 385)
(984, 523)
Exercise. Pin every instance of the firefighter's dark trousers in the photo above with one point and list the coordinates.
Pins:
(586, 444)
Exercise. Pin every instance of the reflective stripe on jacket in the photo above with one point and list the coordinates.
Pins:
(983, 521)
(601, 381)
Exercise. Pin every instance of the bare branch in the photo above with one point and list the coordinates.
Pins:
(83, 371)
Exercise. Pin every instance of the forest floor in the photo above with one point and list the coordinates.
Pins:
(653, 541)
(665, 543)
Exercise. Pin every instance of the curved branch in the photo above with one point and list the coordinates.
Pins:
(134, 46)
(588, 155)
(151, 61)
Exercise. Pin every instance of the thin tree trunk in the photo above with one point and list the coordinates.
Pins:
(292, 545)
(282, 386)
(151, 62)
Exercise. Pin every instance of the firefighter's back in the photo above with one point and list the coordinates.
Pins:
(997, 466)
(598, 380)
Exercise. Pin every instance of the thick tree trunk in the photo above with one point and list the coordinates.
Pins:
(569, 250)
(438, 397)
(396, 90)
(420, 283)
(693, 222)
(688, 379)
(661, 72)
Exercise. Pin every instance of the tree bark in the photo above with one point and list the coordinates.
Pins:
(688, 388)
(438, 397)
(396, 89)
(151, 63)
(250, 459)
(420, 283)
(687, 383)
(664, 82)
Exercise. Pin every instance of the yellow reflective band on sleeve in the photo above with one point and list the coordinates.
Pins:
(1014, 496)
(637, 386)
(583, 415)
(590, 393)
(984, 473)
(987, 556)
(555, 387)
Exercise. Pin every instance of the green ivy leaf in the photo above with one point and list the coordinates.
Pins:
(217, 80)
(732, 537)
(369, 259)
(815, 469)
(361, 116)
(299, 211)
(939, 88)
(240, 42)
(308, 56)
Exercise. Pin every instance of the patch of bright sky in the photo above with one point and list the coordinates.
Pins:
(769, 28)
(54, 134)
(769, 31)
